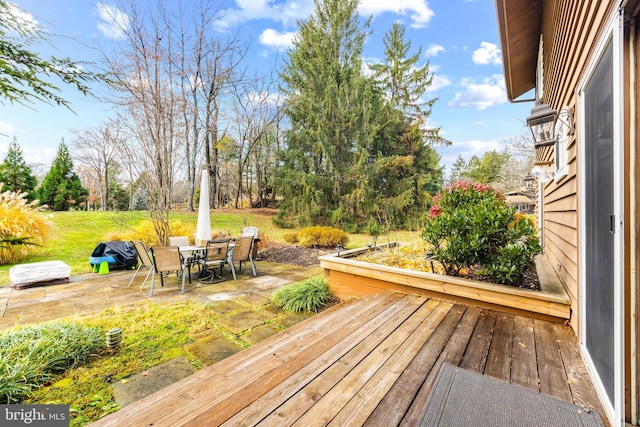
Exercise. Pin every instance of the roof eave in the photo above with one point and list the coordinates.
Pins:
(519, 26)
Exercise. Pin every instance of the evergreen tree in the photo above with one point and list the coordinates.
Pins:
(15, 174)
(61, 188)
(327, 105)
(404, 168)
(27, 77)
(405, 84)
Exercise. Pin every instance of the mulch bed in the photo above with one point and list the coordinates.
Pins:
(289, 254)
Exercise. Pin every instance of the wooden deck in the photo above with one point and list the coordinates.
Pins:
(371, 361)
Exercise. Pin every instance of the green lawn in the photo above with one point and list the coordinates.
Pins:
(75, 234)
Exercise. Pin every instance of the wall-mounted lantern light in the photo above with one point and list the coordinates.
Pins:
(541, 121)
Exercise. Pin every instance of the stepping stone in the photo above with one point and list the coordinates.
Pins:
(256, 299)
(267, 283)
(244, 320)
(148, 382)
(213, 349)
(225, 307)
(259, 333)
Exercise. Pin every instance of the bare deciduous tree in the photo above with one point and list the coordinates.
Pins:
(96, 149)
(145, 82)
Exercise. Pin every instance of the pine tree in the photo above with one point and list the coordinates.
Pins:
(61, 188)
(404, 168)
(15, 174)
(404, 83)
(327, 105)
(26, 76)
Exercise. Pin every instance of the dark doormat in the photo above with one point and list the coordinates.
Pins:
(464, 398)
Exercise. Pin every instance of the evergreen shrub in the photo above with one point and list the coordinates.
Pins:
(471, 225)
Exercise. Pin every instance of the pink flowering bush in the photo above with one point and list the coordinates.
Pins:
(471, 225)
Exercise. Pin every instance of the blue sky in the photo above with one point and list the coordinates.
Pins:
(459, 38)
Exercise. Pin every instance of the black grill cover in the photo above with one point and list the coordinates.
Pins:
(123, 252)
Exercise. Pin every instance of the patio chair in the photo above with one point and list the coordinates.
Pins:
(191, 258)
(167, 259)
(179, 241)
(144, 261)
(240, 252)
(215, 256)
(250, 231)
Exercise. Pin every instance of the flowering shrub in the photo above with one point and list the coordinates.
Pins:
(470, 225)
(318, 237)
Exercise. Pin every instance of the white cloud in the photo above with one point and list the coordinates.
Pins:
(490, 91)
(22, 21)
(112, 21)
(434, 50)
(418, 10)
(6, 128)
(274, 39)
(437, 83)
(449, 154)
(288, 11)
(487, 54)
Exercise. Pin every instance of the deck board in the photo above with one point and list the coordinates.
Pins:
(372, 362)
(394, 405)
(452, 353)
(475, 357)
(524, 370)
(553, 378)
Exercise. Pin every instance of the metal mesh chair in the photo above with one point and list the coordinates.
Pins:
(241, 252)
(144, 261)
(215, 256)
(167, 259)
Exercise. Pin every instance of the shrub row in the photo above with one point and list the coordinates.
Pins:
(318, 237)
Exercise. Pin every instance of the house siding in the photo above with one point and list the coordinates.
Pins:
(568, 27)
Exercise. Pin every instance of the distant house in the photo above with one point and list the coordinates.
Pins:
(523, 198)
(522, 202)
(579, 61)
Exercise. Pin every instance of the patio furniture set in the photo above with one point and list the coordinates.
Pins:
(180, 256)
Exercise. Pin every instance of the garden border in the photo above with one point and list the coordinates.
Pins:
(349, 278)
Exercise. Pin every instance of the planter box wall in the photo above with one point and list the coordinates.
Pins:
(350, 278)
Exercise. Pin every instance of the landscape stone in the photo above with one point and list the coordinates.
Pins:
(244, 320)
(213, 349)
(148, 382)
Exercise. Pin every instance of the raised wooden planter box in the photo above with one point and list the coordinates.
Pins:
(350, 278)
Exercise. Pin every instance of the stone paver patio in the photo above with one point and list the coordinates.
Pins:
(94, 292)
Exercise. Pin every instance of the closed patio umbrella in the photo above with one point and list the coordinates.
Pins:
(203, 228)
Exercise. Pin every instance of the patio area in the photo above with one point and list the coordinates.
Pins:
(94, 292)
(369, 361)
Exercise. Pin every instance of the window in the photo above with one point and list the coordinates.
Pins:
(562, 132)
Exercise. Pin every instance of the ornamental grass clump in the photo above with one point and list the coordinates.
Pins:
(30, 357)
(310, 295)
(23, 229)
(471, 226)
